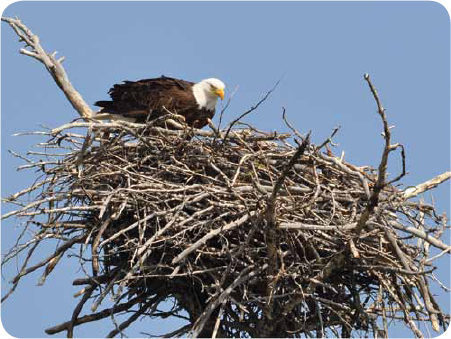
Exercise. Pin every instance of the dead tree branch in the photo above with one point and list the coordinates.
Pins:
(411, 192)
(381, 177)
(54, 66)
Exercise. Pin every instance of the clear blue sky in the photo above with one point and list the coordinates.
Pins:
(322, 49)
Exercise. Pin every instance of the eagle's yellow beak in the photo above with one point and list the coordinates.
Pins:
(220, 93)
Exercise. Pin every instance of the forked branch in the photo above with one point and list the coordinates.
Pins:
(54, 66)
(382, 170)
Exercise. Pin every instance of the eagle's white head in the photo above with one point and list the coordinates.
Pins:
(207, 92)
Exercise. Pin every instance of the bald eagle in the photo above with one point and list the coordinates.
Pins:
(148, 99)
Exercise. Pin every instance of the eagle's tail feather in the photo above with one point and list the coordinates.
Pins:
(103, 104)
(107, 107)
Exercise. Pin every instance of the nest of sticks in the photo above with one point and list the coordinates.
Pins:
(246, 234)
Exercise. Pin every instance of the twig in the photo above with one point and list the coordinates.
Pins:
(95, 316)
(245, 275)
(418, 233)
(329, 139)
(288, 167)
(232, 94)
(131, 319)
(77, 310)
(210, 235)
(253, 108)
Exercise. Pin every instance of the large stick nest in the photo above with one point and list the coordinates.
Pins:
(245, 233)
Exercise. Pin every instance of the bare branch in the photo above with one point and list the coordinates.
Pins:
(53, 66)
(381, 178)
(95, 316)
(210, 235)
(253, 108)
(411, 192)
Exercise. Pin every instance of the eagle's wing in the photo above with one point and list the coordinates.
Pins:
(138, 99)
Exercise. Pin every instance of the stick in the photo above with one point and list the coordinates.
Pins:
(253, 108)
(210, 235)
(53, 66)
(411, 192)
(380, 183)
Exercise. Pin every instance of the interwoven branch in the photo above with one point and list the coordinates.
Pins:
(188, 217)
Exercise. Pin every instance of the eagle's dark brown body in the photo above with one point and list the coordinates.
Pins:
(143, 100)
